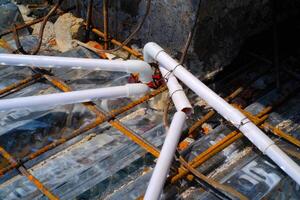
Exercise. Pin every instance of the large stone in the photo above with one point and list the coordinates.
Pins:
(49, 33)
(68, 27)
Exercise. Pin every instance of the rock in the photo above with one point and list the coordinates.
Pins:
(25, 11)
(49, 33)
(67, 27)
(10, 15)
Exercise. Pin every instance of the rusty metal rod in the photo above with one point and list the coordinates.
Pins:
(281, 134)
(212, 112)
(210, 152)
(212, 182)
(135, 137)
(105, 23)
(116, 42)
(89, 15)
(29, 176)
(20, 85)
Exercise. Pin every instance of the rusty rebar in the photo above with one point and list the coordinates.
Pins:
(191, 35)
(105, 23)
(28, 175)
(116, 42)
(134, 32)
(210, 152)
(89, 16)
(212, 182)
(19, 85)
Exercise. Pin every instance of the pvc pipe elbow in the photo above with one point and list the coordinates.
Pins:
(141, 67)
(150, 52)
(137, 89)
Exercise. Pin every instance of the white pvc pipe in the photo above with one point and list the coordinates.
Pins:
(128, 90)
(176, 92)
(165, 158)
(130, 66)
(153, 52)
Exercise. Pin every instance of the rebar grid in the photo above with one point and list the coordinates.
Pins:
(101, 117)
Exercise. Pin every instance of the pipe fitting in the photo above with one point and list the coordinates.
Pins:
(151, 51)
(138, 89)
(176, 92)
(141, 67)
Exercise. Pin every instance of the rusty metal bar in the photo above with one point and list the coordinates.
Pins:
(135, 137)
(95, 123)
(211, 151)
(115, 42)
(28, 175)
(22, 26)
(89, 15)
(281, 134)
(105, 23)
(212, 182)
(20, 85)
(211, 113)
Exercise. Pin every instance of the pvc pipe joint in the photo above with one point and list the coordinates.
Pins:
(129, 66)
(176, 92)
